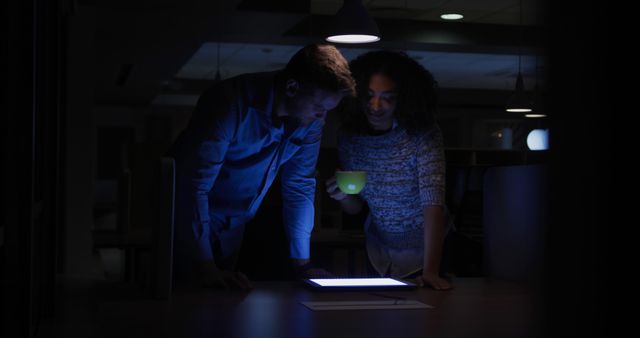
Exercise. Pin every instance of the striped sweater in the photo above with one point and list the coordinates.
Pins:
(405, 173)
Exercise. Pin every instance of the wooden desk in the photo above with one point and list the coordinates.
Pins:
(475, 308)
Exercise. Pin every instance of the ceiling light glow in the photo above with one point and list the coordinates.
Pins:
(451, 16)
(536, 115)
(353, 38)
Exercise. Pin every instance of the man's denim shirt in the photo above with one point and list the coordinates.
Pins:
(231, 152)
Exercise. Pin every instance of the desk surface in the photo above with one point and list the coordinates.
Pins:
(475, 308)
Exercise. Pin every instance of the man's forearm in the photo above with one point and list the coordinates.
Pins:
(300, 261)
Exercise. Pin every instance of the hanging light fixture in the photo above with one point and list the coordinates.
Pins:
(519, 101)
(537, 106)
(538, 109)
(352, 24)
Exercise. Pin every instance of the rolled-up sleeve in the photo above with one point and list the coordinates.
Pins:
(298, 192)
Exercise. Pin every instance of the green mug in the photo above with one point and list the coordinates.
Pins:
(351, 182)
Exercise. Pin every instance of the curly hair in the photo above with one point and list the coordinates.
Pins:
(416, 89)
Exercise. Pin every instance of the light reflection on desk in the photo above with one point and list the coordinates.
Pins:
(475, 308)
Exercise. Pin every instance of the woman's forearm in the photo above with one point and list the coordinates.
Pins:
(433, 238)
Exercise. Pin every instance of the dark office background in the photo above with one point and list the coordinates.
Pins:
(44, 130)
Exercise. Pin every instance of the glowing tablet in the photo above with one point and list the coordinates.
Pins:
(350, 283)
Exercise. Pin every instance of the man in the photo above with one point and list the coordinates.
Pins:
(242, 132)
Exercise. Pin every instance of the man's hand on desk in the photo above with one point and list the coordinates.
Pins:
(434, 281)
(213, 277)
(303, 268)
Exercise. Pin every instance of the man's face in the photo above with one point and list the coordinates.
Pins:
(381, 102)
(307, 105)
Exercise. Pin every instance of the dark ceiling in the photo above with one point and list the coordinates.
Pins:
(141, 46)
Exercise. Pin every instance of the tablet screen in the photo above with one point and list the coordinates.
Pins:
(358, 282)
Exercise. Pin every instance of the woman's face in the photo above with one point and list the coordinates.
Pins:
(381, 102)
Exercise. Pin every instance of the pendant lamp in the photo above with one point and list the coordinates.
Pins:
(519, 101)
(352, 24)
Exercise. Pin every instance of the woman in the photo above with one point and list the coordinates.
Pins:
(391, 134)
